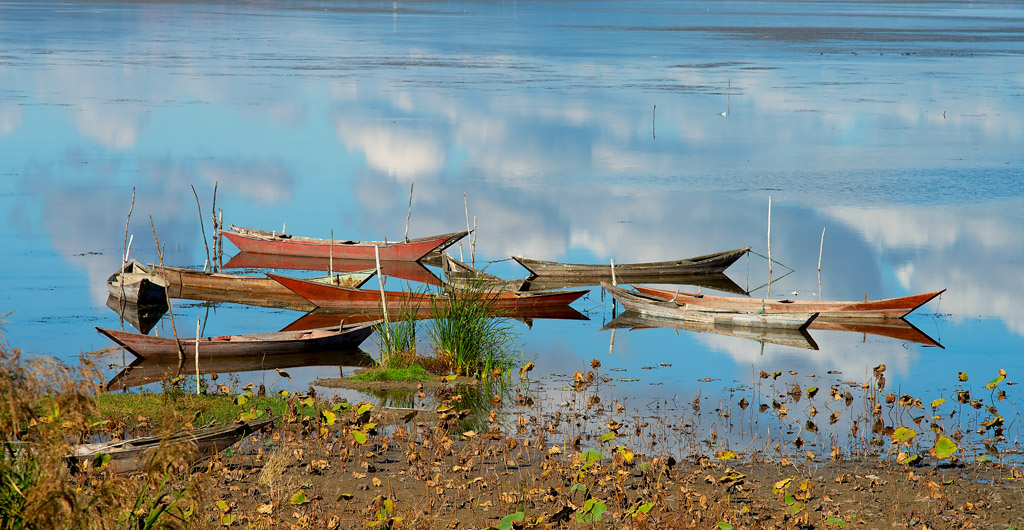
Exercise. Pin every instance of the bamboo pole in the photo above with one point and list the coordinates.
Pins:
(380, 278)
(170, 311)
(409, 215)
(821, 247)
(216, 227)
(202, 228)
(769, 247)
(197, 356)
(613, 272)
(330, 258)
(472, 245)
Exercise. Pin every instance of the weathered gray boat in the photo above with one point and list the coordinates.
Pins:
(130, 456)
(634, 272)
(136, 283)
(658, 307)
(794, 338)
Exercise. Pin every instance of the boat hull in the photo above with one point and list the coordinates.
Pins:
(659, 308)
(267, 344)
(888, 308)
(263, 242)
(709, 263)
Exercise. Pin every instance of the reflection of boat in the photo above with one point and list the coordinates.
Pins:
(658, 307)
(135, 282)
(145, 371)
(322, 318)
(274, 343)
(796, 338)
(895, 328)
(458, 274)
(141, 316)
(406, 270)
(716, 262)
(129, 456)
(262, 241)
(828, 310)
(252, 290)
(344, 298)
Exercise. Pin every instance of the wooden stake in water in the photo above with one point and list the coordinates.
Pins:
(769, 246)
(611, 343)
(472, 245)
(409, 215)
(197, 356)
(820, 248)
(380, 278)
(202, 228)
(330, 257)
(613, 272)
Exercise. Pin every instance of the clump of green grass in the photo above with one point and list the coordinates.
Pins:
(414, 372)
(465, 334)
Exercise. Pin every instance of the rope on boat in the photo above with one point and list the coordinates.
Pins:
(772, 260)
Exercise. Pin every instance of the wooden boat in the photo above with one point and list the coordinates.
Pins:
(794, 338)
(130, 456)
(828, 310)
(527, 314)
(141, 316)
(348, 299)
(659, 307)
(275, 343)
(459, 274)
(252, 290)
(405, 270)
(134, 282)
(633, 272)
(262, 241)
(145, 371)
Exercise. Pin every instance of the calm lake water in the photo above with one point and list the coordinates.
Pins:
(575, 131)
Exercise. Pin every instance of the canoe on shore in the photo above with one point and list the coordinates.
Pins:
(134, 455)
(346, 298)
(264, 242)
(633, 272)
(887, 308)
(274, 343)
(134, 282)
(251, 290)
(661, 308)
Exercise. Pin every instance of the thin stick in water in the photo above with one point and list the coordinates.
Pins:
(409, 215)
(203, 228)
(613, 272)
(197, 355)
(820, 248)
(380, 278)
(170, 310)
(769, 246)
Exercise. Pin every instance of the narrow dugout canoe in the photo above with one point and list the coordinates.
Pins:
(627, 272)
(658, 307)
(345, 298)
(251, 290)
(264, 242)
(407, 270)
(887, 308)
(274, 343)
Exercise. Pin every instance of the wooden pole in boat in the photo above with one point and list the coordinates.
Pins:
(330, 258)
(472, 245)
(409, 215)
(220, 240)
(216, 227)
(769, 246)
(170, 311)
(197, 356)
(820, 248)
(380, 278)
(202, 228)
(613, 272)
(611, 343)
(465, 200)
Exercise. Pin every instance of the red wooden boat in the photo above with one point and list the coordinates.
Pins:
(406, 270)
(321, 318)
(313, 340)
(345, 298)
(261, 241)
(827, 310)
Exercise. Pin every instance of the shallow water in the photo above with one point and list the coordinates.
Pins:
(574, 131)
